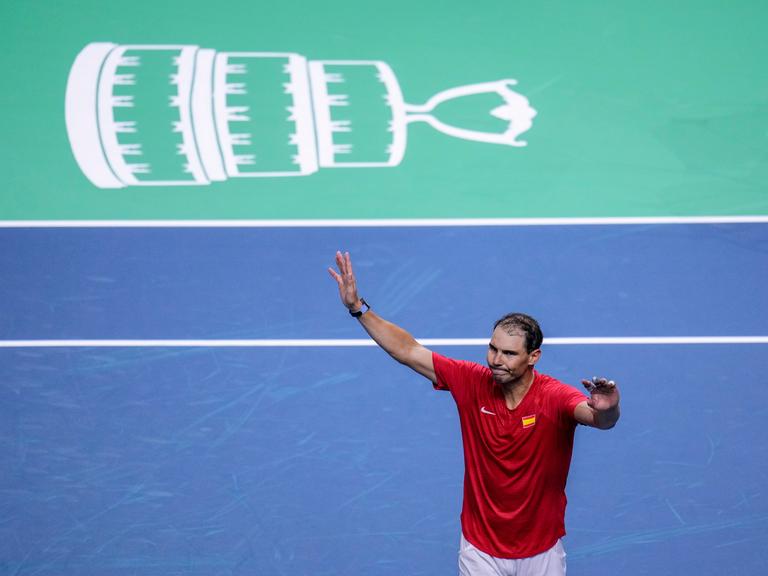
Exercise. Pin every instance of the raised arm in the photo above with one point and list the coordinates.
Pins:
(602, 408)
(394, 340)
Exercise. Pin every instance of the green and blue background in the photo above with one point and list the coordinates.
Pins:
(202, 460)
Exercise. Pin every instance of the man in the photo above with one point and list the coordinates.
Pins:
(517, 428)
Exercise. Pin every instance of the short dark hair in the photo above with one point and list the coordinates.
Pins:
(524, 325)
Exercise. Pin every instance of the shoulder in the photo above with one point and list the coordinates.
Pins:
(548, 382)
(447, 366)
(559, 392)
(458, 376)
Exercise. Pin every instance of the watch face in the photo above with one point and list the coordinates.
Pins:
(362, 310)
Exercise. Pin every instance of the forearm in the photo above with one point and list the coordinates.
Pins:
(397, 342)
(606, 419)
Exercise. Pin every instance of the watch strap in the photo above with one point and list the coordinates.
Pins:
(363, 310)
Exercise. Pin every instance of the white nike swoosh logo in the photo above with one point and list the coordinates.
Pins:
(484, 411)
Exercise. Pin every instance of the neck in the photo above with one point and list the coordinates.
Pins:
(516, 390)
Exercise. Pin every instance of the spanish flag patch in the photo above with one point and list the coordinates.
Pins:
(529, 421)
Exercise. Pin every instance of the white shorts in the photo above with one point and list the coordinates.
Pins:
(473, 562)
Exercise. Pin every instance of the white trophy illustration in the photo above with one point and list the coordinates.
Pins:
(179, 115)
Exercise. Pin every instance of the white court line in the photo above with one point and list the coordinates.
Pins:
(384, 222)
(341, 343)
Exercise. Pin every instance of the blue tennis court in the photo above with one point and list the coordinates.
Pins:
(246, 459)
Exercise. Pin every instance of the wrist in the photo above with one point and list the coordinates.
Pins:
(360, 308)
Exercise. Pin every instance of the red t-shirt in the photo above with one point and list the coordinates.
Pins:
(515, 461)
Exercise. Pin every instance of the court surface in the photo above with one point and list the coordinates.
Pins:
(275, 458)
(181, 392)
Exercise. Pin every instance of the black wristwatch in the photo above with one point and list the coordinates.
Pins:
(362, 310)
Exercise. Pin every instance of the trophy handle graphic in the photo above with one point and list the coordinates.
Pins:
(516, 110)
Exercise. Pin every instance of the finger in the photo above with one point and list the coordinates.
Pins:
(340, 262)
(334, 275)
(588, 384)
(348, 262)
(603, 382)
(604, 391)
(605, 385)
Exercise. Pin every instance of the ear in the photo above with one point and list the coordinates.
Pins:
(534, 356)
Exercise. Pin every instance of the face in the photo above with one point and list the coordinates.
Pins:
(507, 357)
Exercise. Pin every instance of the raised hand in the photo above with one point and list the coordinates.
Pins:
(604, 395)
(345, 278)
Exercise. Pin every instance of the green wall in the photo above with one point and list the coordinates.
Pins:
(644, 109)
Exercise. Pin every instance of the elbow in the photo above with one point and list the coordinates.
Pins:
(400, 355)
(405, 354)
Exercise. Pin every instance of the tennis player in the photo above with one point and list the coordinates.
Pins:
(517, 428)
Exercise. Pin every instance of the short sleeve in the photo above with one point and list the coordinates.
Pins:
(457, 376)
(568, 398)
(443, 371)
